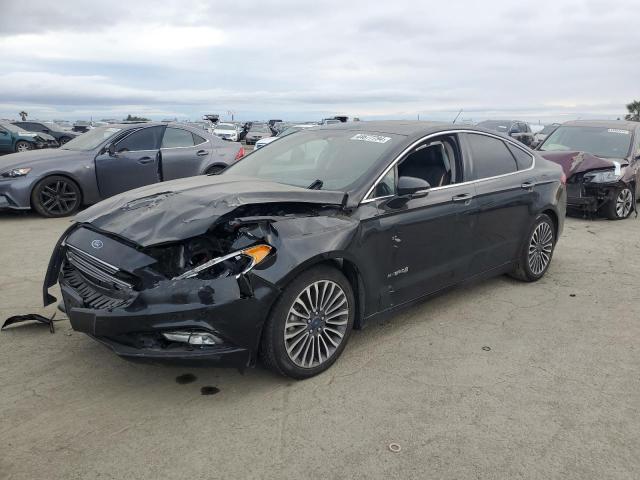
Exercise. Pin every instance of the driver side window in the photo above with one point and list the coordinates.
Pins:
(143, 139)
(435, 161)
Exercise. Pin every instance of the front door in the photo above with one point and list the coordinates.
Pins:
(430, 238)
(136, 162)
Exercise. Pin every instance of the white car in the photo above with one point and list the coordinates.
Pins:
(284, 133)
(227, 131)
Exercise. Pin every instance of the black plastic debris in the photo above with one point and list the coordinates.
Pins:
(30, 317)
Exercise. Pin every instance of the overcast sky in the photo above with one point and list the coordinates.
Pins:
(540, 60)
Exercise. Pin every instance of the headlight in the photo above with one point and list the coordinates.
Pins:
(16, 172)
(235, 263)
(604, 176)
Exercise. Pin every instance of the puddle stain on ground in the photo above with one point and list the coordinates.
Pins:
(209, 390)
(186, 378)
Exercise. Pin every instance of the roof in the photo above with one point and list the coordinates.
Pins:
(604, 123)
(398, 127)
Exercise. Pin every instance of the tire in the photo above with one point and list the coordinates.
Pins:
(56, 196)
(328, 331)
(215, 170)
(22, 146)
(537, 250)
(622, 204)
(64, 140)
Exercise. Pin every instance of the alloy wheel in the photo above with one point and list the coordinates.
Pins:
(23, 147)
(58, 198)
(624, 202)
(540, 248)
(316, 324)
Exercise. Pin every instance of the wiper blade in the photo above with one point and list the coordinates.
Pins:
(316, 185)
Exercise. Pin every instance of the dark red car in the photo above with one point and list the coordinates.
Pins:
(601, 160)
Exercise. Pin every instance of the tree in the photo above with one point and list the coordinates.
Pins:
(23, 115)
(634, 111)
(133, 118)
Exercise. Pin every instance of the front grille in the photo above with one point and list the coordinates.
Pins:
(95, 281)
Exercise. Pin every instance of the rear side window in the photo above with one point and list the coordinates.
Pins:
(143, 139)
(523, 159)
(176, 137)
(197, 139)
(490, 156)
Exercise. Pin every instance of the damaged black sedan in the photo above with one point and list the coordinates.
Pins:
(287, 251)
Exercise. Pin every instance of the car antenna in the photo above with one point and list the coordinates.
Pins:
(316, 185)
(460, 112)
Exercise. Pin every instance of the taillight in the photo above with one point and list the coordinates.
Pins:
(563, 179)
(240, 153)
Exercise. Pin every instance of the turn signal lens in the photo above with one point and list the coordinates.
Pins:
(240, 153)
(257, 253)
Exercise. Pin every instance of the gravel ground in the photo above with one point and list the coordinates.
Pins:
(498, 380)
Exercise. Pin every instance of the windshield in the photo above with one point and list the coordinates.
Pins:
(260, 128)
(55, 126)
(600, 141)
(12, 128)
(225, 127)
(548, 129)
(91, 139)
(336, 158)
(495, 125)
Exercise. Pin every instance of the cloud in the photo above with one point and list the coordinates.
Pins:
(401, 58)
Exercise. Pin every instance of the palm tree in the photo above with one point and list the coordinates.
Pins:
(634, 111)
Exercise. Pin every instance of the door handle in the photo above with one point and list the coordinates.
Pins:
(145, 160)
(202, 153)
(463, 197)
(528, 185)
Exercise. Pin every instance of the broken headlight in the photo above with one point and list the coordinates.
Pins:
(235, 263)
(603, 176)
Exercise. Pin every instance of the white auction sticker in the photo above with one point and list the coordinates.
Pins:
(615, 130)
(365, 137)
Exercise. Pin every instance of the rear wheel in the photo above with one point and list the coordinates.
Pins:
(621, 206)
(537, 251)
(22, 146)
(56, 196)
(310, 324)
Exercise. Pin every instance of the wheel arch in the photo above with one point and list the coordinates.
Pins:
(553, 215)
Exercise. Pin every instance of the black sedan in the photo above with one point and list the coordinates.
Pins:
(106, 161)
(288, 250)
(61, 134)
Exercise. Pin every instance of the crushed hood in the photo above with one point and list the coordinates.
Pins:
(181, 209)
(579, 162)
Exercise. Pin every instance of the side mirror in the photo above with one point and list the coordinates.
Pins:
(111, 149)
(413, 187)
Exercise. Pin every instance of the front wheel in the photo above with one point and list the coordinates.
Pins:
(56, 196)
(621, 206)
(537, 251)
(310, 324)
(22, 146)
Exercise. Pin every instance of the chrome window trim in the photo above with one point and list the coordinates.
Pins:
(446, 132)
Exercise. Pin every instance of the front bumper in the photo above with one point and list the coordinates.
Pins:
(590, 197)
(131, 321)
(15, 193)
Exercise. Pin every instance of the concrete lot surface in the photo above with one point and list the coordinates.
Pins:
(501, 380)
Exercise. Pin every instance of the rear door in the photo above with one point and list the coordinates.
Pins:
(184, 153)
(6, 140)
(136, 162)
(505, 184)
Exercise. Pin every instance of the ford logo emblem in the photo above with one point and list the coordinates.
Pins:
(97, 244)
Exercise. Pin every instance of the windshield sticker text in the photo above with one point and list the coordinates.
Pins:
(615, 130)
(364, 137)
